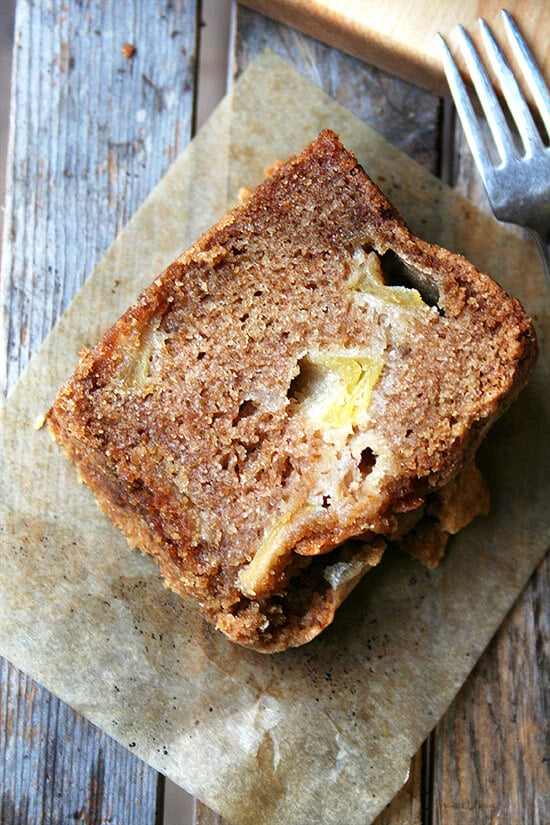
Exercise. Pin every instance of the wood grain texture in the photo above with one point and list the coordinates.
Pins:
(56, 767)
(492, 753)
(92, 131)
(89, 121)
(491, 759)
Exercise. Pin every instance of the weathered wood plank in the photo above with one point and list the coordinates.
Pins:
(56, 767)
(492, 748)
(492, 751)
(92, 131)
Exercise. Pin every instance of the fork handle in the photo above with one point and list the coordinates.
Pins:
(542, 240)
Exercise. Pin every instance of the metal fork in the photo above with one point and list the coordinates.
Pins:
(518, 185)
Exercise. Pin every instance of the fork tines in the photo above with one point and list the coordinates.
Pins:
(518, 185)
(500, 130)
(530, 69)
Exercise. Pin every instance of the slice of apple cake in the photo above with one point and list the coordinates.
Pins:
(290, 394)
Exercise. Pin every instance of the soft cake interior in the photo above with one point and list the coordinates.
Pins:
(295, 380)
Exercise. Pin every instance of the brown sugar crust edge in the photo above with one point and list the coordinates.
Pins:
(359, 214)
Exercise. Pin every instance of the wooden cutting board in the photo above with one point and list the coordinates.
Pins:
(400, 35)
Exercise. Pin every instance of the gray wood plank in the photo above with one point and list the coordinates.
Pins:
(492, 748)
(92, 131)
(56, 767)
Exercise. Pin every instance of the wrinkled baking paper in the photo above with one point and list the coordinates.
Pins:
(319, 734)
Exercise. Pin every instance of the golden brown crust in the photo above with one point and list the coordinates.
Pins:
(447, 511)
(204, 419)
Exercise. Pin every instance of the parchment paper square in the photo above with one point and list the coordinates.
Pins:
(319, 734)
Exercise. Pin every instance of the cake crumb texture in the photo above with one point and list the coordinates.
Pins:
(296, 390)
